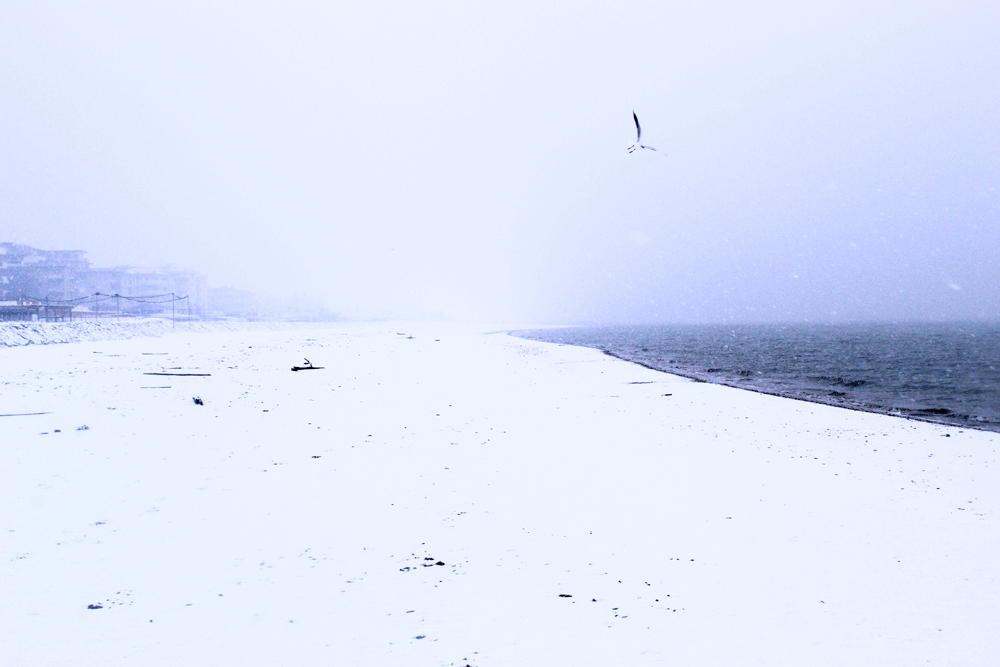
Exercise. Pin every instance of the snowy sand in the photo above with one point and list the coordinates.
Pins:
(449, 497)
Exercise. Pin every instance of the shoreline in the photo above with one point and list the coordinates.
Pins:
(437, 495)
(718, 376)
(966, 422)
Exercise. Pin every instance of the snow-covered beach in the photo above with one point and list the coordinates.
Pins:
(440, 495)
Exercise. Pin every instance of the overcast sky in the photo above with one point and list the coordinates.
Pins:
(820, 161)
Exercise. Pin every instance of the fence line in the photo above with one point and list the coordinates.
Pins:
(58, 310)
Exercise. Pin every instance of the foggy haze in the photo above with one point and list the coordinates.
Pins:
(818, 161)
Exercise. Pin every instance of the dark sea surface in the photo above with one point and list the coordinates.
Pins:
(945, 373)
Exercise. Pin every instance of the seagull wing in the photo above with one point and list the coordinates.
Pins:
(638, 130)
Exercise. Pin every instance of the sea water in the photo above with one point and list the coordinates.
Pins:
(947, 373)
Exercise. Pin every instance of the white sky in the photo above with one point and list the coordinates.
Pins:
(824, 161)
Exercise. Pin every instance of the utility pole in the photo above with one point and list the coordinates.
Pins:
(173, 320)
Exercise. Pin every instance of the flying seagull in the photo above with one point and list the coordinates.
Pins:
(638, 137)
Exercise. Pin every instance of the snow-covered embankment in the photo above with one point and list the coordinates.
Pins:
(15, 334)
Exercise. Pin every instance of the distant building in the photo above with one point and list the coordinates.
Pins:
(29, 273)
(232, 302)
(32, 279)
